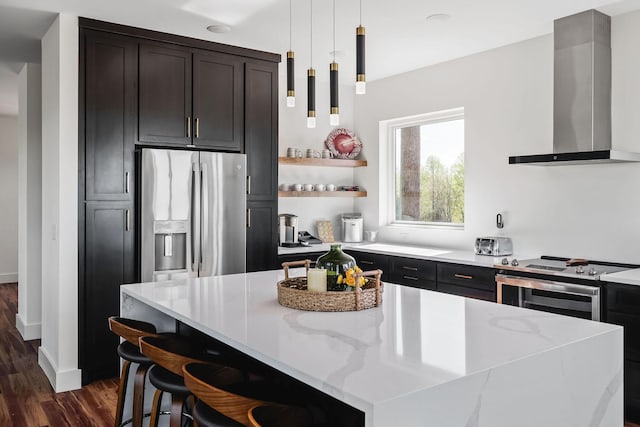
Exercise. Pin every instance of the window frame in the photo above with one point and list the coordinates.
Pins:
(388, 129)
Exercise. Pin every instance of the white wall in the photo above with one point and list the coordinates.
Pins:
(8, 199)
(58, 355)
(28, 318)
(588, 211)
(293, 132)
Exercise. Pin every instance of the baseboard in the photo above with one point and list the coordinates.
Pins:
(60, 381)
(8, 278)
(28, 331)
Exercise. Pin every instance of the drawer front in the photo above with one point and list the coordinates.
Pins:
(631, 324)
(367, 261)
(416, 268)
(464, 291)
(622, 298)
(413, 281)
(469, 276)
(312, 256)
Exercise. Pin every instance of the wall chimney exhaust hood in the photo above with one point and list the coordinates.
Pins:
(581, 94)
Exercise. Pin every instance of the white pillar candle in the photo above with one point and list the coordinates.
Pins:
(317, 280)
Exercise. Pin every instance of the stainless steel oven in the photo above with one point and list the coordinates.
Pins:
(550, 295)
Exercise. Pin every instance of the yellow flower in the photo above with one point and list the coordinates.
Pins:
(350, 278)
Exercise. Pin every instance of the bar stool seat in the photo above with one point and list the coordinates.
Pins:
(130, 352)
(270, 415)
(167, 381)
(208, 417)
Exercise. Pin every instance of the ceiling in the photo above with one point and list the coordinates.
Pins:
(399, 37)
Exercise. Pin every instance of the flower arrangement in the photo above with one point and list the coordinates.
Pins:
(349, 277)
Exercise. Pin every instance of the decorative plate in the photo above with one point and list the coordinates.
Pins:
(343, 144)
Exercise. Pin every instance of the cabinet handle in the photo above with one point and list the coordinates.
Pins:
(410, 278)
(127, 220)
(366, 262)
(126, 182)
(197, 127)
(249, 218)
(463, 276)
(410, 268)
(248, 184)
(189, 127)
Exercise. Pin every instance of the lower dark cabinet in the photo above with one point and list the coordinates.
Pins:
(108, 263)
(312, 256)
(368, 261)
(417, 273)
(464, 291)
(632, 391)
(262, 236)
(467, 281)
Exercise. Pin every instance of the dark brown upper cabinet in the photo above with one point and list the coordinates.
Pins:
(109, 115)
(190, 97)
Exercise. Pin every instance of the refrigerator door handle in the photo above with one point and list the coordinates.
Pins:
(204, 216)
(194, 215)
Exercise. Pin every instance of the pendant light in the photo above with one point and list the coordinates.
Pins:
(334, 113)
(291, 94)
(361, 85)
(311, 76)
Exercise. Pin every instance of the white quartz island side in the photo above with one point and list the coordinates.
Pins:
(422, 359)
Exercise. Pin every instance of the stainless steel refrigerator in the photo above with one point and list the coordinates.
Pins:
(193, 214)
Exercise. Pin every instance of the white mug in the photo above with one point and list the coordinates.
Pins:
(331, 187)
(297, 187)
(370, 236)
(285, 187)
(308, 187)
(320, 187)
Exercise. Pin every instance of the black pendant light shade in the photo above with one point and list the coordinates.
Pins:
(291, 93)
(334, 113)
(311, 98)
(360, 73)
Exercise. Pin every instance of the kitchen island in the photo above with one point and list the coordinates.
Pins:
(423, 358)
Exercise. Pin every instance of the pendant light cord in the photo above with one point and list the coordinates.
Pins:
(334, 30)
(311, 34)
(361, 13)
(290, 24)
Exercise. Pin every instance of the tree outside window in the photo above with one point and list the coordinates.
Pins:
(429, 171)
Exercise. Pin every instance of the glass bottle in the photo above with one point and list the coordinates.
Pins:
(335, 262)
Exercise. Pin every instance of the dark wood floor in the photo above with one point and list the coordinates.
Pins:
(27, 399)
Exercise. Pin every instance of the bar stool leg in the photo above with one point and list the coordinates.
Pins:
(138, 394)
(122, 391)
(155, 409)
(177, 403)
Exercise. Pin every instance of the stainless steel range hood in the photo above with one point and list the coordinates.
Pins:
(581, 94)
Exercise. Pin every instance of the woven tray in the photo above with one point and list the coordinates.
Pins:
(293, 293)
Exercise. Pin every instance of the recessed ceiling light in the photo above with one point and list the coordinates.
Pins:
(219, 28)
(438, 17)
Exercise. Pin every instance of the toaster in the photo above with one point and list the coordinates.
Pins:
(494, 246)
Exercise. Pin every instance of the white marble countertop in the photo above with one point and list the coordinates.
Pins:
(392, 358)
(628, 277)
(428, 253)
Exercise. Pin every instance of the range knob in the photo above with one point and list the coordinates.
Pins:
(505, 261)
(593, 272)
(579, 269)
(514, 262)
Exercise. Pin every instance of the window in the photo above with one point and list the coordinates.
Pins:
(428, 169)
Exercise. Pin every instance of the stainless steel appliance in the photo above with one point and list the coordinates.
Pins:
(494, 246)
(288, 227)
(193, 214)
(352, 227)
(554, 284)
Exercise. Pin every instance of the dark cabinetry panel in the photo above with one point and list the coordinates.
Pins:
(467, 281)
(262, 249)
(217, 101)
(109, 262)
(311, 256)
(261, 129)
(413, 272)
(109, 93)
(369, 261)
(164, 111)
(622, 309)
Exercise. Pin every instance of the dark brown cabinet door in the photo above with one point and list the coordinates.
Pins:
(261, 129)
(110, 102)
(109, 262)
(262, 246)
(217, 101)
(164, 104)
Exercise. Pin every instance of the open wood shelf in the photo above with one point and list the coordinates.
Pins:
(321, 162)
(322, 194)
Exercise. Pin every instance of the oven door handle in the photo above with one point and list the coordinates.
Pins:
(547, 285)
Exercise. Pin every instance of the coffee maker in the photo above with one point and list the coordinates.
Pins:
(288, 226)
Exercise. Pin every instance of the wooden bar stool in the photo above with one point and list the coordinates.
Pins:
(131, 330)
(169, 355)
(272, 415)
(223, 403)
